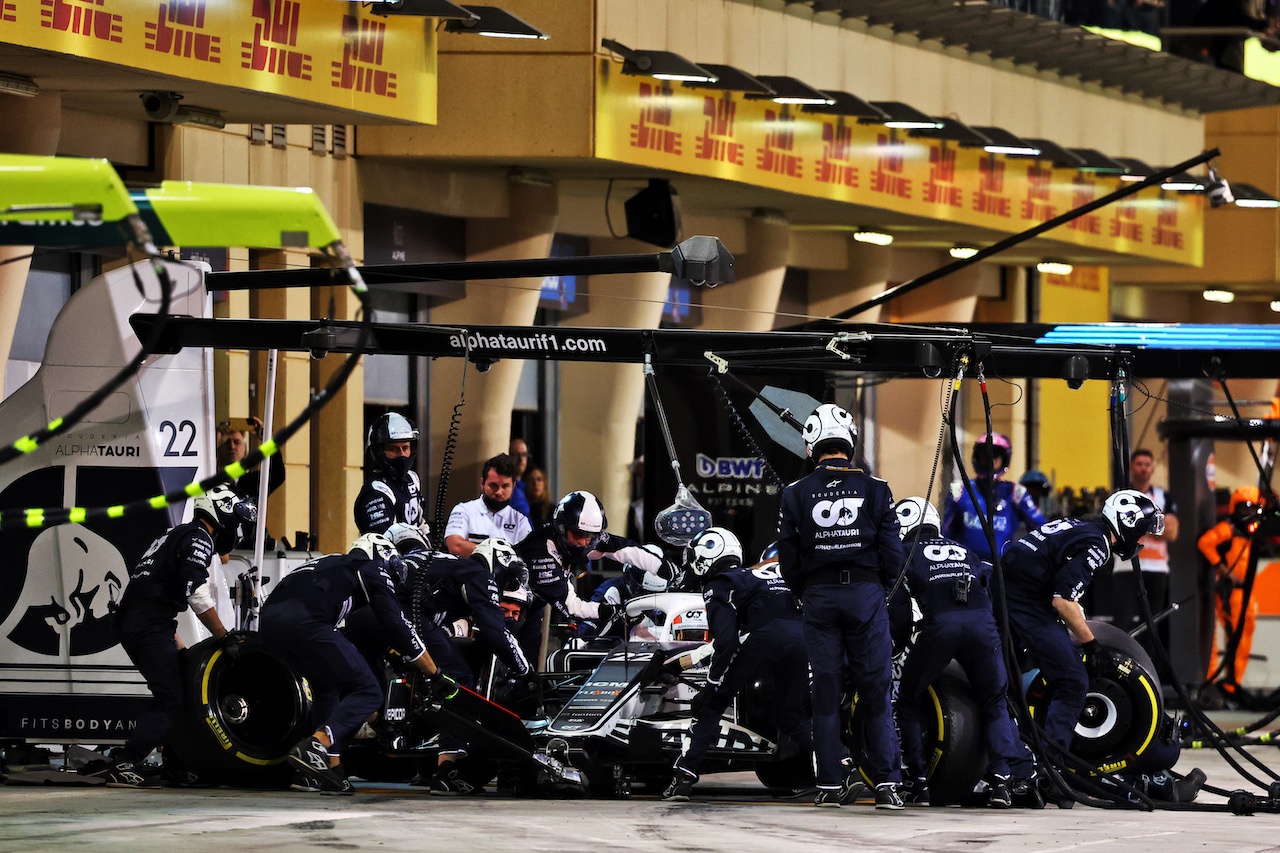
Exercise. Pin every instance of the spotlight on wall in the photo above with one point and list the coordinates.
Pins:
(495, 23)
(1075, 371)
(1183, 182)
(789, 90)
(167, 107)
(660, 64)
(1213, 294)
(962, 253)
(1051, 267)
(901, 116)
(875, 238)
(16, 84)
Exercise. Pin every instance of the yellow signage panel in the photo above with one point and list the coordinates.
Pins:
(666, 125)
(322, 51)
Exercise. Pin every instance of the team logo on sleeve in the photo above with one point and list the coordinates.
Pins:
(841, 512)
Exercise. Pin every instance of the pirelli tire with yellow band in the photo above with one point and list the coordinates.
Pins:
(954, 746)
(1122, 710)
(240, 718)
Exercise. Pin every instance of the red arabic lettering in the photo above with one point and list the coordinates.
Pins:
(275, 31)
(79, 17)
(362, 48)
(833, 167)
(939, 187)
(716, 140)
(886, 177)
(169, 33)
(779, 142)
(653, 129)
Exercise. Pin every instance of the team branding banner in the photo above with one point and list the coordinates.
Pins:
(665, 125)
(330, 53)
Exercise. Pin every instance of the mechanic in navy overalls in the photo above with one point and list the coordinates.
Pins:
(393, 494)
(961, 522)
(299, 620)
(950, 584)
(1045, 574)
(171, 576)
(755, 621)
(838, 549)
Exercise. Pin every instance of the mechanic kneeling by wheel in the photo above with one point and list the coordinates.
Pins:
(756, 605)
(171, 576)
(299, 620)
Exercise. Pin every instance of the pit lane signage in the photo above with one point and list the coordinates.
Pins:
(664, 125)
(337, 54)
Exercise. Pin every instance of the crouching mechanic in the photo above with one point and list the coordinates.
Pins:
(838, 549)
(951, 586)
(755, 621)
(299, 620)
(440, 590)
(171, 576)
(558, 552)
(1045, 573)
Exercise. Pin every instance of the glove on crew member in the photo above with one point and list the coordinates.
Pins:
(299, 620)
(393, 492)
(838, 549)
(632, 583)
(171, 576)
(960, 519)
(1046, 572)
(951, 586)
(755, 621)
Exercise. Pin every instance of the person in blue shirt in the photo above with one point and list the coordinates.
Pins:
(755, 621)
(519, 454)
(960, 519)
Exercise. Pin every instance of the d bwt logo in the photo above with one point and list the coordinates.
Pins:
(734, 467)
(841, 512)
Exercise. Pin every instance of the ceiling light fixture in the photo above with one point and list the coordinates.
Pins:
(731, 79)
(1213, 294)
(442, 9)
(875, 238)
(955, 131)
(660, 64)
(1183, 182)
(789, 90)
(845, 104)
(1004, 142)
(1247, 195)
(962, 253)
(902, 116)
(16, 84)
(1275, 305)
(495, 23)
(1056, 154)
(1134, 170)
(1096, 161)
(1052, 267)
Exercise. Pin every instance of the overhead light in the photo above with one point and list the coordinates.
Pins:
(1183, 182)
(845, 104)
(962, 253)
(1056, 154)
(955, 131)
(16, 84)
(789, 90)
(421, 8)
(731, 79)
(1051, 267)
(875, 238)
(902, 116)
(495, 23)
(1275, 305)
(199, 116)
(660, 64)
(1226, 297)
(1096, 161)
(1247, 195)
(1004, 142)
(1134, 170)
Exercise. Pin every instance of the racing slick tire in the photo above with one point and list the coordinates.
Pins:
(239, 719)
(954, 746)
(1123, 708)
